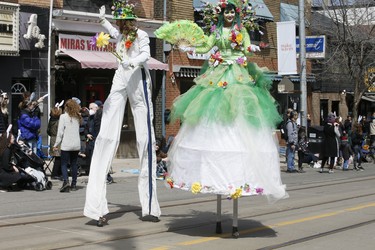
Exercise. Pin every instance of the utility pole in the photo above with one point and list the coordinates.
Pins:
(302, 62)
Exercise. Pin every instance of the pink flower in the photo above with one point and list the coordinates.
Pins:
(259, 190)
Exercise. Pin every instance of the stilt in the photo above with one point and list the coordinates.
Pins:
(218, 214)
(235, 233)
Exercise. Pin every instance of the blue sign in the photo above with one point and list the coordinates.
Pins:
(315, 46)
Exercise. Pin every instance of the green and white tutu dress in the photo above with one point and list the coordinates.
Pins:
(226, 144)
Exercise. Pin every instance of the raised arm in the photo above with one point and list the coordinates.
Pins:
(113, 32)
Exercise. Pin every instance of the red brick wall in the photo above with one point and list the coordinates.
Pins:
(145, 9)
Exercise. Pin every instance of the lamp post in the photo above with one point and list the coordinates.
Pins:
(49, 56)
(302, 61)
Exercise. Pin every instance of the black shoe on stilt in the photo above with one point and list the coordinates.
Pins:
(235, 233)
(101, 222)
(150, 218)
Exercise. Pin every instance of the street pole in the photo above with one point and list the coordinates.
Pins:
(302, 61)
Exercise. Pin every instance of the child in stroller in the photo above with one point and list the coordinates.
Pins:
(31, 165)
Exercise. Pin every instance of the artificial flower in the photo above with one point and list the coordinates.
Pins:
(242, 60)
(247, 188)
(196, 187)
(128, 44)
(169, 181)
(102, 40)
(237, 194)
(259, 190)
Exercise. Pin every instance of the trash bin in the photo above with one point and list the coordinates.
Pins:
(315, 135)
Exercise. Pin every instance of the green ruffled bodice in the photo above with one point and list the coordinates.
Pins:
(228, 87)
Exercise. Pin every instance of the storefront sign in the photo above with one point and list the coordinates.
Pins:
(83, 43)
(9, 29)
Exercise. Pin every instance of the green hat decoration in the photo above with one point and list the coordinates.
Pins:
(123, 10)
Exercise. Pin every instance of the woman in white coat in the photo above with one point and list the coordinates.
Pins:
(68, 137)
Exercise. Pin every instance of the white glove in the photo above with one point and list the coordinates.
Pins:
(102, 13)
(254, 48)
(125, 64)
(186, 49)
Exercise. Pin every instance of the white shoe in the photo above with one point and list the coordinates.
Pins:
(321, 170)
(317, 165)
(331, 171)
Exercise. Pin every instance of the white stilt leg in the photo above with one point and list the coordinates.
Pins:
(218, 214)
(235, 232)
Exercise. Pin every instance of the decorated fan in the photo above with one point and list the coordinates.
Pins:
(182, 33)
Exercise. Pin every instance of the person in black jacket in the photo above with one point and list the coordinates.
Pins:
(9, 173)
(330, 142)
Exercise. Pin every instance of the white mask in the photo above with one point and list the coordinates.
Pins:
(92, 112)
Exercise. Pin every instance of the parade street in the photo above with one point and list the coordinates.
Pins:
(324, 211)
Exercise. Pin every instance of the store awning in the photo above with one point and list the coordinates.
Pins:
(105, 60)
(369, 98)
(261, 9)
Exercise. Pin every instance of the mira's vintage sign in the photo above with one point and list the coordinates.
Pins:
(315, 46)
(9, 29)
(77, 42)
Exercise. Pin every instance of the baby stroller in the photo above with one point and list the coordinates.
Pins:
(30, 164)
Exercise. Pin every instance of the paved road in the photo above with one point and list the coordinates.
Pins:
(334, 211)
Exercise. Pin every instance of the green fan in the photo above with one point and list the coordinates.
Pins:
(182, 33)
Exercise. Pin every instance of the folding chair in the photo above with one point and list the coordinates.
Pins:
(43, 156)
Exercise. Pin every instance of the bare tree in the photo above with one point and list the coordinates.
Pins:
(350, 30)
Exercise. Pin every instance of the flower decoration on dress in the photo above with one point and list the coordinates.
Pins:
(259, 190)
(237, 194)
(196, 187)
(236, 39)
(222, 84)
(169, 181)
(123, 10)
(101, 40)
(242, 60)
(246, 188)
(215, 59)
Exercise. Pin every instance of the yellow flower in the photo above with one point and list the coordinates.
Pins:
(220, 84)
(211, 83)
(237, 194)
(102, 40)
(196, 187)
(239, 38)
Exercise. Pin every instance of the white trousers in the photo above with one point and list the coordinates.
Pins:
(127, 83)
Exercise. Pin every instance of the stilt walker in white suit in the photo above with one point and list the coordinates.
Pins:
(132, 80)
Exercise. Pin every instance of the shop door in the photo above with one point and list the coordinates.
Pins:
(95, 92)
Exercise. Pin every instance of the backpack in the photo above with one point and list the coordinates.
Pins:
(284, 130)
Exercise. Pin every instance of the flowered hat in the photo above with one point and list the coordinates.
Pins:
(237, 3)
(123, 10)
